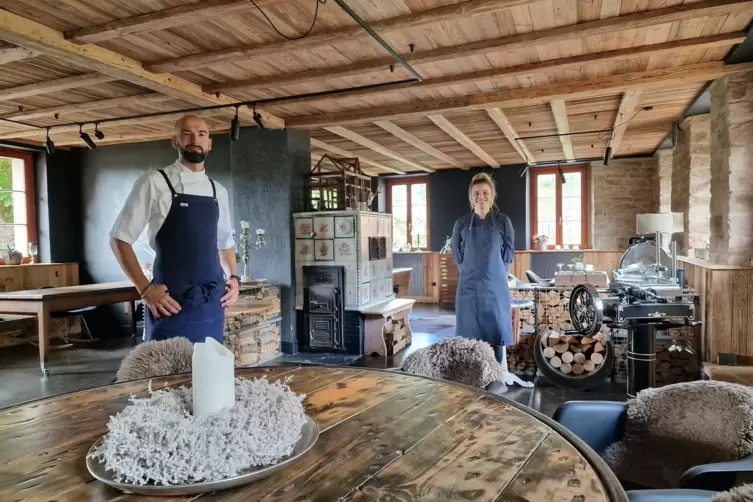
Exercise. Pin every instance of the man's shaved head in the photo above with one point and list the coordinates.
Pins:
(191, 139)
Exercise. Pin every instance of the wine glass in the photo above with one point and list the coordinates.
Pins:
(570, 267)
(559, 266)
(33, 251)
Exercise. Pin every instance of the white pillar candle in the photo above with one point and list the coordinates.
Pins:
(213, 377)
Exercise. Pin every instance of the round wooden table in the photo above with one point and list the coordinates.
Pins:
(385, 436)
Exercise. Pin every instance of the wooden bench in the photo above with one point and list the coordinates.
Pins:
(732, 374)
(387, 327)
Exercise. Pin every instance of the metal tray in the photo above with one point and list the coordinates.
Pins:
(309, 435)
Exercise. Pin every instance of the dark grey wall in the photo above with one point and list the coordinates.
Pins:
(81, 193)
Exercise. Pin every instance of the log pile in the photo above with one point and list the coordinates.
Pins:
(396, 335)
(520, 358)
(526, 315)
(574, 355)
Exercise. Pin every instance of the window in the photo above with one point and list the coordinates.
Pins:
(560, 210)
(17, 208)
(408, 201)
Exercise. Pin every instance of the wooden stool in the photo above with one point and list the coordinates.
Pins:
(387, 327)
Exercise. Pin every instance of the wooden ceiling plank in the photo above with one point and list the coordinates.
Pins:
(56, 85)
(727, 39)
(625, 113)
(141, 99)
(559, 110)
(315, 143)
(404, 135)
(376, 147)
(515, 98)
(350, 34)
(444, 124)
(35, 36)
(163, 19)
(499, 118)
(14, 54)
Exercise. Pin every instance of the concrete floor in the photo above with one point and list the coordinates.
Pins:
(87, 366)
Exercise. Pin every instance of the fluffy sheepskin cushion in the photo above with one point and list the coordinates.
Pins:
(673, 428)
(742, 493)
(470, 362)
(151, 359)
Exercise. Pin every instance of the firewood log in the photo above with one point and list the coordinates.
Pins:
(567, 357)
(589, 366)
(555, 362)
(566, 368)
(597, 358)
(575, 348)
(561, 348)
(579, 358)
(549, 352)
(598, 347)
(578, 369)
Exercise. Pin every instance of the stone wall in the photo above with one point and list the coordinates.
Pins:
(619, 192)
(691, 179)
(732, 169)
(664, 179)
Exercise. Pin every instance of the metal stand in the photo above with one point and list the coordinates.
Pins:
(641, 358)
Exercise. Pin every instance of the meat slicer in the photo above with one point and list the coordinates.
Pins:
(644, 296)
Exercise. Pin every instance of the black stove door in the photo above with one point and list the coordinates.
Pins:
(325, 314)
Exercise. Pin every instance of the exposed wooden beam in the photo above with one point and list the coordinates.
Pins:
(56, 85)
(349, 34)
(315, 143)
(163, 19)
(63, 110)
(559, 110)
(625, 113)
(13, 54)
(404, 135)
(35, 36)
(524, 40)
(499, 118)
(464, 140)
(675, 47)
(376, 147)
(115, 139)
(514, 98)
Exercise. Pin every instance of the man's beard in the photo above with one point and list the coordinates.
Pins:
(193, 156)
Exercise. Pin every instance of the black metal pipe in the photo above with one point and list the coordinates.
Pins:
(21, 123)
(12, 145)
(379, 39)
(565, 134)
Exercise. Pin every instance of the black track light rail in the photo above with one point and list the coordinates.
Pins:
(259, 102)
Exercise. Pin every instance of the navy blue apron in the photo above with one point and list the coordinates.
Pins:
(188, 262)
(482, 303)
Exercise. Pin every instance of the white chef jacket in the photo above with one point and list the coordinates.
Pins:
(150, 201)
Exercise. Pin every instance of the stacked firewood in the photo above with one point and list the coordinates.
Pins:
(576, 355)
(520, 357)
(395, 336)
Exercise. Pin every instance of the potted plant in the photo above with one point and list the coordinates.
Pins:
(540, 241)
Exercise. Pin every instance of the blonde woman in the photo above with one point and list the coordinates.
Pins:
(483, 249)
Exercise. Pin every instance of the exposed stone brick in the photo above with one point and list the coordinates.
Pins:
(732, 169)
(664, 178)
(619, 192)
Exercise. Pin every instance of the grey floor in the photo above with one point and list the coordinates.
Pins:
(87, 366)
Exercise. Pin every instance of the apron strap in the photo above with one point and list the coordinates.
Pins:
(214, 190)
(169, 185)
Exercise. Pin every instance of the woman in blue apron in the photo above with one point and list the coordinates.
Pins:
(483, 249)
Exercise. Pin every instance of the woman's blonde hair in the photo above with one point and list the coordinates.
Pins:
(479, 179)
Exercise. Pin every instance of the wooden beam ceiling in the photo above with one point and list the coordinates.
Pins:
(499, 118)
(511, 43)
(315, 143)
(559, 110)
(38, 37)
(13, 54)
(513, 98)
(163, 19)
(77, 108)
(55, 85)
(456, 134)
(404, 135)
(625, 114)
(376, 147)
(350, 34)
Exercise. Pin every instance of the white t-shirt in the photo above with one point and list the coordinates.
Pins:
(150, 201)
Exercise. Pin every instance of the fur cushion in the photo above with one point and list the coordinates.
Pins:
(742, 493)
(151, 359)
(470, 362)
(673, 428)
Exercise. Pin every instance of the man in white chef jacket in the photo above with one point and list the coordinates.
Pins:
(188, 219)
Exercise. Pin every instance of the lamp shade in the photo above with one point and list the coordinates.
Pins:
(666, 223)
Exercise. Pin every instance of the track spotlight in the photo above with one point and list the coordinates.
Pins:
(235, 127)
(259, 119)
(86, 138)
(524, 170)
(97, 133)
(49, 145)
(607, 155)
(562, 175)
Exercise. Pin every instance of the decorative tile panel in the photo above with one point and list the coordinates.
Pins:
(345, 226)
(304, 228)
(324, 227)
(345, 250)
(324, 250)
(365, 293)
(304, 250)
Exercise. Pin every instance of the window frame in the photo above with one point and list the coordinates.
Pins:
(30, 196)
(409, 182)
(583, 170)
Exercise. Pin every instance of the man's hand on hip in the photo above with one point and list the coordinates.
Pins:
(159, 301)
(232, 291)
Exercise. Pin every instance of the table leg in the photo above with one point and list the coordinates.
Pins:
(44, 322)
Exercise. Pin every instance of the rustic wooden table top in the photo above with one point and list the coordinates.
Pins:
(385, 436)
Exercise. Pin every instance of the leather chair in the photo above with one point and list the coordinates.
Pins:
(535, 279)
(601, 423)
